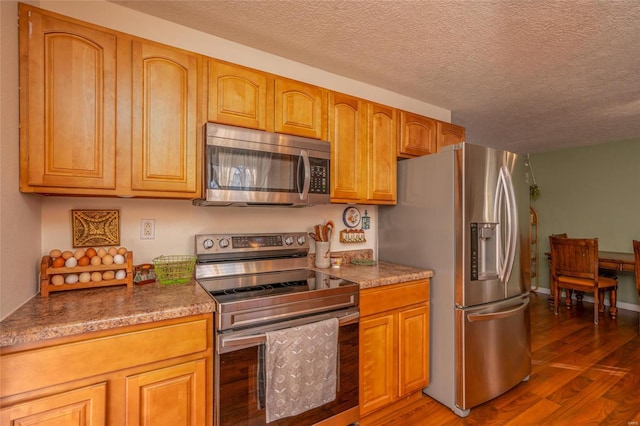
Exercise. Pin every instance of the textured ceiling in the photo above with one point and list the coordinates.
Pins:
(525, 75)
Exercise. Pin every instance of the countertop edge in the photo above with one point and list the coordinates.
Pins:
(29, 323)
(59, 315)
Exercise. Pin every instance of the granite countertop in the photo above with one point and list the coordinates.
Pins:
(73, 312)
(68, 313)
(382, 273)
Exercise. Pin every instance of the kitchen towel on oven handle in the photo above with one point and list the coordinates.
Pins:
(300, 368)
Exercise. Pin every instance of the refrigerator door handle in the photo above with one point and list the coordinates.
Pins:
(512, 214)
(505, 201)
(498, 315)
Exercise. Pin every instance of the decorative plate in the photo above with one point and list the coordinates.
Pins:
(351, 217)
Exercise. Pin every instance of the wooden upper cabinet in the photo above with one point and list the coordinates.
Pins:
(449, 134)
(417, 135)
(68, 105)
(237, 95)
(347, 129)
(166, 86)
(300, 109)
(381, 154)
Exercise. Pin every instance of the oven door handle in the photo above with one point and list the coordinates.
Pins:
(256, 339)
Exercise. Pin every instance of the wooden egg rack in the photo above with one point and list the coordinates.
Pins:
(46, 272)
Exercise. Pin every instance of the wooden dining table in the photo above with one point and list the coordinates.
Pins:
(615, 261)
(612, 260)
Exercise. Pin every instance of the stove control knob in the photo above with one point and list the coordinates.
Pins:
(288, 240)
(208, 243)
(301, 240)
(224, 243)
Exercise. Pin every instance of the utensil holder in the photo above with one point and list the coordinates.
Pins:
(322, 254)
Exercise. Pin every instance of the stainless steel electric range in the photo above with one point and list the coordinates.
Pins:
(260, 283)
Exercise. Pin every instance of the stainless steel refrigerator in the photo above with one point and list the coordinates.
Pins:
(464, 214)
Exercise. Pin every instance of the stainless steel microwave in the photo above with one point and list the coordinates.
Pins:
(249, 167)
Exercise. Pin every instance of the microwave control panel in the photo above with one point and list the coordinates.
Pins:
(319, 176)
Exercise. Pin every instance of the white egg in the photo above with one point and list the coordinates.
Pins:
(71, 278)
(120, 274)
(71, 262)
(118, 259)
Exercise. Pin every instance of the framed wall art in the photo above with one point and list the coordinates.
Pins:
(95, 228)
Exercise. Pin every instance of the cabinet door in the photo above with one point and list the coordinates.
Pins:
(80, 407)
(169, 396)
(381, 154)
(67, 108)
(299, 109)
(165, 85)
(347, 127)
(417, 135)
(413, 347)
(449, 134)
(378, 372)
(237, 95)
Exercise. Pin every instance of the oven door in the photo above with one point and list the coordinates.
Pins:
(238, 392)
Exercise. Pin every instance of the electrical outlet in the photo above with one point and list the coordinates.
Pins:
(147, 229)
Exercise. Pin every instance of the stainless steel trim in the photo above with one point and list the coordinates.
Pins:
(224, 197)
(260, 337)
(256, 336)
(251, 313)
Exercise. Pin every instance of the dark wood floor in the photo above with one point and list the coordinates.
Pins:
(582, 374)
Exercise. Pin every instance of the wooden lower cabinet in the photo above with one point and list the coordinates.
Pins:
(174, 395)
(153, 374)
(394, 346)
(85, 406)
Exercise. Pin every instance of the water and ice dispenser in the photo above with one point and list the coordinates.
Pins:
(484, 251)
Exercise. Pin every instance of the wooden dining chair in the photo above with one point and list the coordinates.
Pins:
(636, 253)
(574, 266)
(551, 284)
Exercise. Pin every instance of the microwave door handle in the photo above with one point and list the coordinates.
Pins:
(303, 162)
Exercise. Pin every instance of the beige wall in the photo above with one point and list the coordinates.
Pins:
(19, 215)
(32, 225)
(591, 192)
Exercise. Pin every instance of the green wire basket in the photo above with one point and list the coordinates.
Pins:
(176, 269)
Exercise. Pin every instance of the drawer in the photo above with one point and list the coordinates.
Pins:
(389, 297)
(37, 368)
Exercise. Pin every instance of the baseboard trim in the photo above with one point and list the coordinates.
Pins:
(620, 305)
